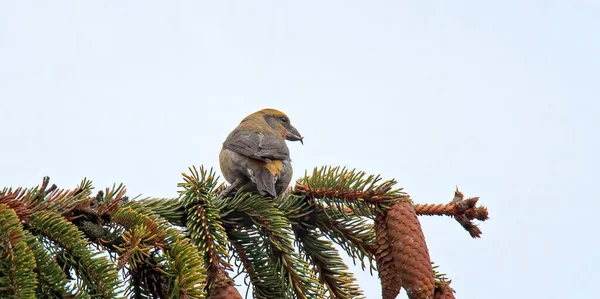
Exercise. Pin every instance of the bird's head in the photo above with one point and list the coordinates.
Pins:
(280, 123)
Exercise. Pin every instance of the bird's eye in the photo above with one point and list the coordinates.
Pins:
(283, 119)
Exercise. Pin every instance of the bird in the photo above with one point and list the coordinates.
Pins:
(255, 156)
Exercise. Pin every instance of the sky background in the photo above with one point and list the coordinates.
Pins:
(501, 99)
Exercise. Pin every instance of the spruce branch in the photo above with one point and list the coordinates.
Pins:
(463, 210)
(284, 244)
(169, 209)
(249, 247)
(354, 234)
(295, 273)
(349, 188)
(99, 275)
(332, 271)
(185, 268)
(204, 222)
(17, 275)
(50, 277)
(18, 201)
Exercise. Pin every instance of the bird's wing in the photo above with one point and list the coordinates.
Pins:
(258, 146)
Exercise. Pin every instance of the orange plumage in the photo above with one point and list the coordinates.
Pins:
(255, 156)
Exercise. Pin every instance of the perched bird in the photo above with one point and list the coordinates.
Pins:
(255, 156)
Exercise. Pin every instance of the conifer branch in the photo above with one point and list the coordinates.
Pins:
(99, 276)
(51, 279)
(271, 223)
(463, 210)
(204, 221)
(185, 266)
(332, 271)
(284, 244)
(17, 275)
(249, 247)
(354, 234)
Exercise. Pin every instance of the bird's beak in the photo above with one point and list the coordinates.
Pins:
(293, 135)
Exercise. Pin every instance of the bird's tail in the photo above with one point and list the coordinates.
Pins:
(265, 182)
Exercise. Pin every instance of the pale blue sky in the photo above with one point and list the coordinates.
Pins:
(500, 98)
